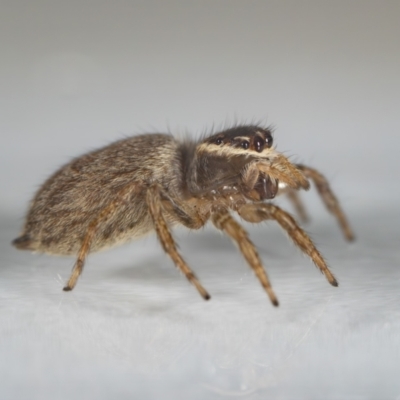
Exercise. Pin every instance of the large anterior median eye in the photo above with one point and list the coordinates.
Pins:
(258, 143)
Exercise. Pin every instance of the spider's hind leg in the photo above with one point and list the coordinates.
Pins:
(92, 230)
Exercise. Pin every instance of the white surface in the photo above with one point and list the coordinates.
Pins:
(134, 326)
(76, 75)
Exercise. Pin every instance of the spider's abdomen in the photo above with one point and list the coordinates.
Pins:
(68, 201)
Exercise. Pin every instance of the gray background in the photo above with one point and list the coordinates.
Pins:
(77, 75)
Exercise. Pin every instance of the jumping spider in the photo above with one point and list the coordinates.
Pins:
(154, 181)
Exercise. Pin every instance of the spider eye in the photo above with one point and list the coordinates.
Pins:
(269, 140)
(259, 143)
(244, 144)
(218, 141)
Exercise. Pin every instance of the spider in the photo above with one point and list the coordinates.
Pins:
(154, 181)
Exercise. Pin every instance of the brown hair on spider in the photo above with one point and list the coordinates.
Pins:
(152, 182)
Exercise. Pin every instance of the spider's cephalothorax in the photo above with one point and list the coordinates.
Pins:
(153, 181)
(241, 160)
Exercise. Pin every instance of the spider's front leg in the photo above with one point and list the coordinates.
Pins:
(154, 203)
(224, 221)
(329, 199)
(261, 211)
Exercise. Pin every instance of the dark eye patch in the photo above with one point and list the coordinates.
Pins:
(219, 141)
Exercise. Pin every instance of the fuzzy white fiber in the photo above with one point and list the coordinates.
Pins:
(134, 328)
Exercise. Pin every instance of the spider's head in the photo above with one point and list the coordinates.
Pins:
(241, 140)
(242, 159)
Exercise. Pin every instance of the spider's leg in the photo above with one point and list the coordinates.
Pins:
(329, 199)
(224, 221)
(167, 241)
(294, 198)
(298, 205)
(92, 230)
(260, 212)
